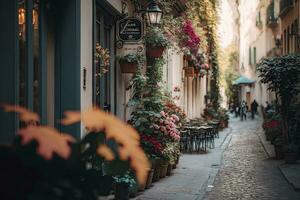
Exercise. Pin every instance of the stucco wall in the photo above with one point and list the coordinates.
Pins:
(86, 57)
(262, 38)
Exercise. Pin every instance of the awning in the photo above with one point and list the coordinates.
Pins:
(243, 80)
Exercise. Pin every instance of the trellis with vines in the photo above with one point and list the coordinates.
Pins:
(203, 14)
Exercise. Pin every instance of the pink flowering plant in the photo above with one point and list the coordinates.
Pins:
(189, 39)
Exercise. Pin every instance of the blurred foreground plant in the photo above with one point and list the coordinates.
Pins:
(43, 163)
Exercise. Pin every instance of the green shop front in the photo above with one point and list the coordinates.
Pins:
(47, 59)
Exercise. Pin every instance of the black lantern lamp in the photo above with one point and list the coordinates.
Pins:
(153, 13)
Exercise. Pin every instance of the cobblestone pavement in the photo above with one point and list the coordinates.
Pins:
(246, 173)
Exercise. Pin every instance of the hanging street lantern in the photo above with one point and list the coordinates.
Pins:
(153, 13)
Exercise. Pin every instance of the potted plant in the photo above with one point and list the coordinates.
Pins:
(290, 153)
(43, 163)
(157, 170)
(163, 169)
(150, 177)
(278, 145)
(123, 183)
(189, 71)
(130, 62)
(156, 42)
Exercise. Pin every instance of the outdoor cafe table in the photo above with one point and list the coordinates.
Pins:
(197, 138)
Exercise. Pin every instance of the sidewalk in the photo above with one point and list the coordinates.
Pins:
(291, 172)
(193, 177)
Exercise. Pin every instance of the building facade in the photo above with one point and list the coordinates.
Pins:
(289, 16)
(260, 38)
(47, 57)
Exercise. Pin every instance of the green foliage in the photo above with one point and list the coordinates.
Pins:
(291, 148)
(133, 58)
(83, 176)
(281, 74)
(154, 37)
(230, 75)
(126, 178)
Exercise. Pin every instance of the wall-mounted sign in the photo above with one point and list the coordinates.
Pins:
(130, 30)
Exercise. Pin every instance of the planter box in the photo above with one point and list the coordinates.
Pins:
(189, 71)
(127, 67)
(188, 57)
(197, 73)
(154, 52)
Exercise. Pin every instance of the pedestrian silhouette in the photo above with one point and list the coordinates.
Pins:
(254, 106)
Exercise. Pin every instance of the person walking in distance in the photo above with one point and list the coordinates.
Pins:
(244, 109)
(254, 106)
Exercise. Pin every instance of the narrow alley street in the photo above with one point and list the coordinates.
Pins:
(246, 172)
(238, 168)
(150, 100)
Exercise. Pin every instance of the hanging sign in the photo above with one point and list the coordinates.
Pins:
(130, 30)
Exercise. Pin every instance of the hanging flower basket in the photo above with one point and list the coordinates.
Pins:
(128, 67)
(197, 72)
(188, 57)
(154, 52)
(189, 71)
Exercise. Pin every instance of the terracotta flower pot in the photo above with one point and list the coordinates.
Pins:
(163, 171)
(169, 170)
(189, 72)
(157, 169)
(149, 178)
(154, 52)
(127, 67)
(188, 57)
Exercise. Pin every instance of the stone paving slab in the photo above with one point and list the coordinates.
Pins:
(291, 174)
(247, 173)
(269, 148)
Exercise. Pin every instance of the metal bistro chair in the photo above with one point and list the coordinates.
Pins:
(184, 140)
(209, 136)
(215, 125)
(196, 139)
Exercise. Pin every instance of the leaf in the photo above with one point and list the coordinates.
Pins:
(71, 118)
(25, 114)
(96, 120)
(49, 141)
(105, 152)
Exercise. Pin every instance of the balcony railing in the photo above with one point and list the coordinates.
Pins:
(271, 16)
(285, 6)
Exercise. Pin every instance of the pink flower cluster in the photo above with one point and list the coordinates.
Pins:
(205, 66)
(167, 125)
(176, 89)
(193, 39)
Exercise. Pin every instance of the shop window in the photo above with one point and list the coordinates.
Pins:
(250, 56)
(29, 62)
(104, 37)
(254, 55)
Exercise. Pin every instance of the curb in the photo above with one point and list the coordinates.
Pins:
(269, 153)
